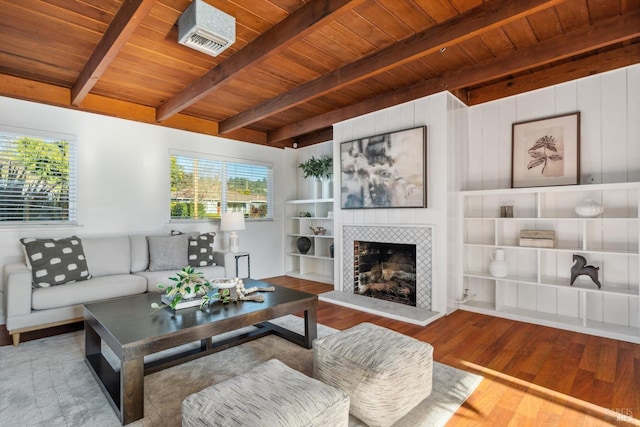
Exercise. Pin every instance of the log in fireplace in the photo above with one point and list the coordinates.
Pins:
(385, 270)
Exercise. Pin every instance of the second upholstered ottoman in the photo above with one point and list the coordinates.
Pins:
(271, 394)
(385, 373)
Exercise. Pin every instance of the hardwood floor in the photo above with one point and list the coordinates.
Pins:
(533, 375)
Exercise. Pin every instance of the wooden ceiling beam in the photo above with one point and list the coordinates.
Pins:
(124, 23)
(321, 135)
(596, 64)
(611, 31)
(290, 30)
(465, 26)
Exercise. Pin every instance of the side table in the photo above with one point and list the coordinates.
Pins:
(239, 255)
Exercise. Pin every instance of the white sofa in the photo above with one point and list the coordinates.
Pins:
(119, 266)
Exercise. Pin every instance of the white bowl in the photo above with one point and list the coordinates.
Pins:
(223, 283)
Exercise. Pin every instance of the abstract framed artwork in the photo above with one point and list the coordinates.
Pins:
(546, 152)
(385, 171)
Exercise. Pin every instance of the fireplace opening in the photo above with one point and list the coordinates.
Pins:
(385, 271)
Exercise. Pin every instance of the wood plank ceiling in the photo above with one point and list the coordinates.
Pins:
(298, 66)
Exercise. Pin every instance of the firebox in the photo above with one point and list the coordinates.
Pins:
(385, 270)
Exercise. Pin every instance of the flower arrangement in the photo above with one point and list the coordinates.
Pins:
(189, 284)
(317, 167)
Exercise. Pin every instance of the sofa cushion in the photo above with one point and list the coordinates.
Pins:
(139, 252)
(56, 261)
(107, 255)
(96, 289)
(167, 252)
(200, 251)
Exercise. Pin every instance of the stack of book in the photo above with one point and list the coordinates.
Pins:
(538, 238)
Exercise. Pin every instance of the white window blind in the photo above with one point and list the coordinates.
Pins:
(203, 187)
(38, 177)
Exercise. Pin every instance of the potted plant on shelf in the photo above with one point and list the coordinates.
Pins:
(319, 168)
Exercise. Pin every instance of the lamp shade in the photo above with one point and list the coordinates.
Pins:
(232, 221)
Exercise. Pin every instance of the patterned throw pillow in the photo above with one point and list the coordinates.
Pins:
(201, 249)
(200, 253)
(56, 261)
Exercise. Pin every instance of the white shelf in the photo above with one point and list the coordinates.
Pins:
(609, 330)
(599, 219)
(322, 278)
(580, 250)
(562, 284)
(537, 289)
(308, 201)
(317, 264)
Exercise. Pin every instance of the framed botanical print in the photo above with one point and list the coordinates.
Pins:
(546, 152)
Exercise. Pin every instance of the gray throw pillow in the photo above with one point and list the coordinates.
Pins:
(167, 252)
(55, 261)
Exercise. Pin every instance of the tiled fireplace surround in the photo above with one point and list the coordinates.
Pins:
(419, 235)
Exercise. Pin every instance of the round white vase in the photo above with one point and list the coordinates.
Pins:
(589, 208)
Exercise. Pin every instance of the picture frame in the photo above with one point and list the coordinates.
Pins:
(546, 152)
(385, 171)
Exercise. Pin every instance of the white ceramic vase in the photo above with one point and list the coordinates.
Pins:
(327, 188)
(498, 266)
(316, 192)
(589, 208)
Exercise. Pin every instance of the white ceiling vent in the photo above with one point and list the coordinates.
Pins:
(205, 28)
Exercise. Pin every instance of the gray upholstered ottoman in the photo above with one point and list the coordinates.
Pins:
(271, 394)
(385, 373)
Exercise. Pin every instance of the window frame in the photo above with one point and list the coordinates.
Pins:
(72, 174)
(224, 160)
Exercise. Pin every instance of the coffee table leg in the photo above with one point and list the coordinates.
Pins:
(91, 340)
(310, 326)
(132, 390)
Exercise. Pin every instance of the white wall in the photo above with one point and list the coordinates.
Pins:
(609, 106)
(123, 180)
(445, 118)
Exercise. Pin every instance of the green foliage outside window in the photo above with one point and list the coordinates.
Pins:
(34, 179)
(217, 186)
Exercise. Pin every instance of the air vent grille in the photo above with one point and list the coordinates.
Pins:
(205, 28)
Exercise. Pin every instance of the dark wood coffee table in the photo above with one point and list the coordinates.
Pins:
(132, 330)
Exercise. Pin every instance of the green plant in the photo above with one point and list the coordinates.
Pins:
(317, 167)
(188, 281)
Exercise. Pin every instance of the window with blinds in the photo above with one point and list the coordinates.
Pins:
(203, 187)
(38, 177)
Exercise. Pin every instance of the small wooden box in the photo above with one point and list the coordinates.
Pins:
(538, 238)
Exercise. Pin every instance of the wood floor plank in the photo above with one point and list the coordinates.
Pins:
(533, 375)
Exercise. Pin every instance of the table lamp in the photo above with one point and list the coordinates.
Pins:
(232, 221)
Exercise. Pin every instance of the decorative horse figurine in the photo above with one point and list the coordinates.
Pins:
(580, 267)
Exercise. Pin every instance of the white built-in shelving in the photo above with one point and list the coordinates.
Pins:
(317, 264)
(537, 287)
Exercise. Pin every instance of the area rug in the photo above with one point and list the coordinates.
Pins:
(46, 382)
